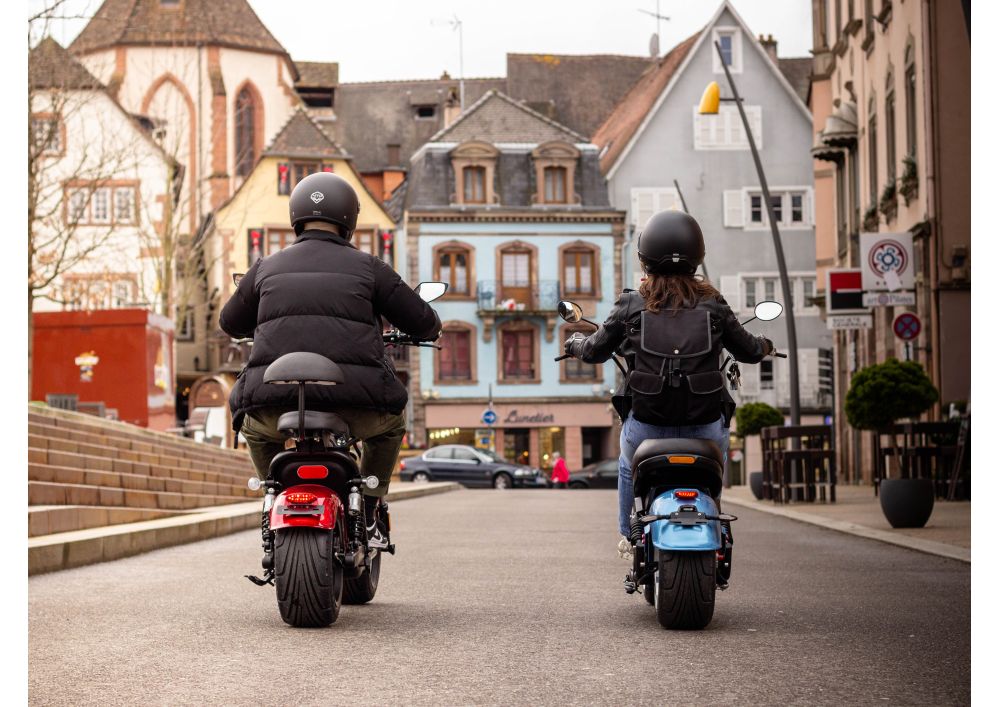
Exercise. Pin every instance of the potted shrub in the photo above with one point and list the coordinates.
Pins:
(880, 395)
(870, 222)
(909, 182)
(750, 420)
(887, 202)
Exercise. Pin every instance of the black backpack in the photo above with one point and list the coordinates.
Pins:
(676, 378)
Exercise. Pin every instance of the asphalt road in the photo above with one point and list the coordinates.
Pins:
(511, 598)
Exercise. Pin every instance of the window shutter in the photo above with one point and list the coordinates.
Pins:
(809, 208)
(729, 285)
(756, 124)
(643, 206)
(666, 199)
(749, 379)
(732, 208)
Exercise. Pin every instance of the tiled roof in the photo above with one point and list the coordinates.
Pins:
(301, 137)
(612, 137)
(497, 118)
(798, 72)
(579, 90)
(51, 66)
(373, 115)
(145, 22)
(318, 73)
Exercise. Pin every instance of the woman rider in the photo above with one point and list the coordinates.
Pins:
(671, 332)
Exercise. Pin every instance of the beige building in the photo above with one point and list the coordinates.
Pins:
(891, 105)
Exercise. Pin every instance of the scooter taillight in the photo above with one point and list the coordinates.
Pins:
(312, 471)
(300, 497)
(686, 495)
(402, 465)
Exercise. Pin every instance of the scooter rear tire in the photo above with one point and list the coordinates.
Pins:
(308, 581)
(361, 590)
(685, 589)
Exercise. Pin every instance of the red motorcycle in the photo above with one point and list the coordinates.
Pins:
(316, 549)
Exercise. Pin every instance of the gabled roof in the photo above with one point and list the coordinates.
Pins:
(497, 118)
(301, 137)
(624, 121)
(615, 141)
(147, 22)
(579, 91)
(51, 66)
(314, 74)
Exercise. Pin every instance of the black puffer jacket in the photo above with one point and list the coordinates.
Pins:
(323, 296)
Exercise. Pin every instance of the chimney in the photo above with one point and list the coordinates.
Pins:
(770, 46)
(452, 106)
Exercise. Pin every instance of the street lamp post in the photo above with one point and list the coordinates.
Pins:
(710, 105)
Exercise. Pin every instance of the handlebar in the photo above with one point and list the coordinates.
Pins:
(560, 358)
(395, 337)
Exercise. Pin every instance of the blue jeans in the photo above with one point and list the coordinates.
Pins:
(635, 432)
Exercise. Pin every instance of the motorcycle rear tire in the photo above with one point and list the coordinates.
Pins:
(307, 579)
(361, 590)
(684, 594)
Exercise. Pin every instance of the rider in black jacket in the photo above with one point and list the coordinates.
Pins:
(671, 333)
(324, 296)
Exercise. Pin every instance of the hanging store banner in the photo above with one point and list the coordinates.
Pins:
(887, 262)
(843, 291)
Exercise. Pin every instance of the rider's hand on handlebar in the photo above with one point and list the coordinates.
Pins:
(569, 345)
(768, 347)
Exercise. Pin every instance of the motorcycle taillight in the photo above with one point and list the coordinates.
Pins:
(686, 495)
(312, 471)
(301, 497)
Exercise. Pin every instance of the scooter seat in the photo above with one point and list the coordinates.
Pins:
(658, 447)
(315, 420)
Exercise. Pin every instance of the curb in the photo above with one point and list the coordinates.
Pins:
(930, 547)
(61, 551)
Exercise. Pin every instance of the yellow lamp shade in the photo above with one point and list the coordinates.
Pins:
(710, 100)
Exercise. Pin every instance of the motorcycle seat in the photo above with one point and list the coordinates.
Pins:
(303, 367)
(658, 447)
(315, 420)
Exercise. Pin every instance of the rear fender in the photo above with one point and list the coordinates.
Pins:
(322, 513)
(671, 536)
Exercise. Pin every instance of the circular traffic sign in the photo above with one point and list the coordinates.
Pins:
(489, 417)
(906, 326)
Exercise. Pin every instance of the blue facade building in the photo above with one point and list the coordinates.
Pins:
(510, 209)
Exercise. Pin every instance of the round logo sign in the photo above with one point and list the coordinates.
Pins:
(906, 326)
(489, 417)
(887, 256)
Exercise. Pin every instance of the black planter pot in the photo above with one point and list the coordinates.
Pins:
(757, 484)
(906, 503)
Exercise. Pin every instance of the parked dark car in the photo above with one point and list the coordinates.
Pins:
(470, 467)
(599, 475)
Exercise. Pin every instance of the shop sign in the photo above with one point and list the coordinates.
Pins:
(86, 361)
(887, 261)
(843, 291)
(514, 417)
(890, 299)
(849, 321)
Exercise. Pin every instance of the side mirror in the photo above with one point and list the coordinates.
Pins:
(237, 276)
(766, 311)
(430, 291)
(570, 311)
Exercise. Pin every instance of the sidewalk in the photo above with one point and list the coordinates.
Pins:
(857, 512)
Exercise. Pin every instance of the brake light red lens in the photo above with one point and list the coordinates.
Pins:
(301, 497)
(686, 495)
(402, 464)
(313, 471)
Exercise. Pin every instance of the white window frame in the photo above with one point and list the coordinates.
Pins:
(130, 192)
(796, 280)
(105, 193)
(659, 198)
(729, 122)
(737, 66)
(786, 208)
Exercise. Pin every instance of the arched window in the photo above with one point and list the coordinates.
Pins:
(555, 185)
(573, 369)
(474, 185)
(890, 127)
(246, 130)
(453, 263)
(518, 353)
(455, 362)
(872, 152)
(580, 276)
(516, 273)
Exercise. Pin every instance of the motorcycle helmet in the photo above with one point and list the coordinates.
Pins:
(324, 197)
(671, 242)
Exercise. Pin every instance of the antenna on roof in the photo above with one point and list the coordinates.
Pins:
(654, 41)
(456, 23)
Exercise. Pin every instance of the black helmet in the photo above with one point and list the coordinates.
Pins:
(671, 242)
(324, 197)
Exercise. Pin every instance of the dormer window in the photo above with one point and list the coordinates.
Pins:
(474, 164)
(555, 168)
(730, 40)
(424, 111)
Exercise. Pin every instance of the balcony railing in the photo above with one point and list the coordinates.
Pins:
(495, 298)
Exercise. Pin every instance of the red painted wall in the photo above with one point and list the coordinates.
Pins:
(134, 372)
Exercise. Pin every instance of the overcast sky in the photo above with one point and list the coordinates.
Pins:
(377, 40)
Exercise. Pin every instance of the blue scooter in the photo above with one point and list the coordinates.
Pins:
(683, 544)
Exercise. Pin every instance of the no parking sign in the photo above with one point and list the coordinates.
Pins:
(906, 326)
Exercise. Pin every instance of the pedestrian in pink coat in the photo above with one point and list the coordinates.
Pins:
(560, 472)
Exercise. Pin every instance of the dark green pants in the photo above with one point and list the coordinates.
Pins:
(382, 433)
